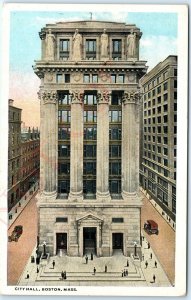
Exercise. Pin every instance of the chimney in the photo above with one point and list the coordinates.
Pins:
(11, 102)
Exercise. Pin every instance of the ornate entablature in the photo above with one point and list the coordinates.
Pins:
(131, 97)
(48, 96)
(76, 96)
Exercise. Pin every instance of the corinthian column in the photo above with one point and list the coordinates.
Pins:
(48, 153)
(102, 180)
(76, 146)
(130, 144)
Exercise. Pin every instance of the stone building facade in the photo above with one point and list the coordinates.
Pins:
(89, 166)
(14, 154)
(30, 158)
(158, 170)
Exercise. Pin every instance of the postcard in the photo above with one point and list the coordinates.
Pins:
(94, 157)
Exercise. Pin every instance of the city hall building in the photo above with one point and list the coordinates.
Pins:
(89, 168)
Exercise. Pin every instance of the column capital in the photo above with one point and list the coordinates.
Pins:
(76, 96)
(131, 97)
(103, 97)
(48, 96)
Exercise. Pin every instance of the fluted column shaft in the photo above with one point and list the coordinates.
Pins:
(49, 143)
(102, 178)
(76, 146)
(130, 144)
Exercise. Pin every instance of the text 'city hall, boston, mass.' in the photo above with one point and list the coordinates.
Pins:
(89, 166)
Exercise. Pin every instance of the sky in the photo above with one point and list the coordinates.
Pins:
(159, 40)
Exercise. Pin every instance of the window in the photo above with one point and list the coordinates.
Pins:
(159, 159)
(165, 97)
(90, 99)
(175, 72)
(165, 140)
(153, 102)
(116, 98)
(58, 78)
(165, 86)
(89, 150)
(115, 133)
(165, 107)
(175, 118)
(165, 129)
(63, 133)
(86, 78)
(63, 99)
(89, 168)
(64, 49)
(175, 95)
(115, 116)
(63, 187)
(121, 78)
(153, 92)
(116, 49)
(159, 109)
(115, 151)
(149, 95)
(175, 84)
(159, 100)
(63, 150)
(90, 133)
(94, 78)
(89, 186)
(159, 119)
(165, 119)
(90, 116)
(165, 151)
(113, 78)
(165, 161)
(67, 78)
(165, 173)
(64, 116)
(117, 220)
(64, 168)
(158, 139)
(159, 90)
(115, 168)
(175, 106)
(159, 149)
(61, 220)
(91, 49)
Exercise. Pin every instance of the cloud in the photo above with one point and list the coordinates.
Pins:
(155, 49)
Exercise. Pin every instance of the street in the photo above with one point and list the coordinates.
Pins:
(19, 252)
(162, 244)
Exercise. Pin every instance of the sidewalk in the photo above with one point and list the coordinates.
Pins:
(163, 214)
(80, 273)
(18, 208)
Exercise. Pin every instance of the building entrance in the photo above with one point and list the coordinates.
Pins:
(89, 240)
(61, 243)
(117, 240)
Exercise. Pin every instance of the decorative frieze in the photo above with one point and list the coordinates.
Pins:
(48, 96)
(76, 96)
(103, 97)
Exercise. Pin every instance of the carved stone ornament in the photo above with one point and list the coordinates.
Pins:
(49, 77)
(76, 77)
(48, 96)
(76, 96)
(103, 97)
(131, 97)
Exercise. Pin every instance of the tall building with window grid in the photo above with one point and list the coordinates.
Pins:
(89, 168)
(158, 170)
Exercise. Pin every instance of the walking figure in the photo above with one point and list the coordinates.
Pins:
(142, 257)
(122, 273)
(146, 264)
(151, 255)
(94, 270)
(86, 258)
(92, 256)
(154, 278)
(62, 275)
(53, 264)
(149, 246)
(105, 269)
(37, 270)
(126, 273)
(127, 263)
(143, 238)
(27, 275)
(155, 264)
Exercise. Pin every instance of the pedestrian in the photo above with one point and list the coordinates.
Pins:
(94, 270)
(122, 273)
(126, 272)
(127, 263)
(37, 270)
(92, 256)
(151, 255)
(53, 264)
(27, 275)
(105, 269)
(149, 246)
(146, 264)
(155, 264)
(19, 204)
(62, 275)
(143, 238)
(154, 278)
(142, 257)
(86, 258)
(16, 210)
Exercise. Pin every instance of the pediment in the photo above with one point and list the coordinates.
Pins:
(89, 217)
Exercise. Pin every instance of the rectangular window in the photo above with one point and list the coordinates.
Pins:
(63, 150)
(63, 186)
(121, 78)
(175, 84)
(89, 150)
(115, 116)
(165, 86)
(63, 133)
(153, 92)
(115, 133)
(67, 78)
(115, 168)
(91, 49)
(59, 78)
(113, 78)
(63, 99)
(94, 78)
(90, 116)
(117, 220)
(64, 49)
(89, 168)
(64, 116)
(90, 133)
(116, 49)
(61, 220)
(64, 168)
(86, 78)
(165, 97)
(90, 99)
(165, 119)
(159, 90)
(115, 151)
(165, 151)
